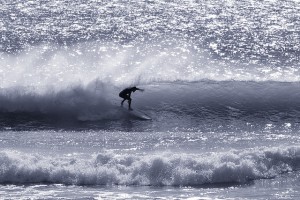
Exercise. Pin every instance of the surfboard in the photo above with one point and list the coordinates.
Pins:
(137, 114)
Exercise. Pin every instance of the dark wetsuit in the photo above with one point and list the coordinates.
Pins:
(125, 94)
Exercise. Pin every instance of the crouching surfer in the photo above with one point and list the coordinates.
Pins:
(126, 93)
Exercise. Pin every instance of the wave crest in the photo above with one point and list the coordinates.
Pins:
(157, 170)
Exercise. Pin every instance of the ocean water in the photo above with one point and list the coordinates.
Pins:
(222, 89)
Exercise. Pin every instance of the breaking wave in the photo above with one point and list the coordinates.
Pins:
(99, 100)
(156, 170)
(75, 102)
(176, 106)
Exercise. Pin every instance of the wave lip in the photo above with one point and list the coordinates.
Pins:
(158, 170)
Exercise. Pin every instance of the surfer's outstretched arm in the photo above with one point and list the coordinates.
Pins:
(142, 90)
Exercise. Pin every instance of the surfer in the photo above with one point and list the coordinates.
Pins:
(125, 94)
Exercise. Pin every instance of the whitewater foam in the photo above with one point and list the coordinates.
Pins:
(159, 169)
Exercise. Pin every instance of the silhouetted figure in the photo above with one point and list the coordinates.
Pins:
(125, 94)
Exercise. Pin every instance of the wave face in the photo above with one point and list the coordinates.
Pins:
(194, 106)
(155, 170)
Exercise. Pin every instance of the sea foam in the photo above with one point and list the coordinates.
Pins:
(163, 169)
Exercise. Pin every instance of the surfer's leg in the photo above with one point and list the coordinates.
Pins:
(122, 102)
(129, 104)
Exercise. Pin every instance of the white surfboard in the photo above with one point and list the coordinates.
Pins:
(137, 114)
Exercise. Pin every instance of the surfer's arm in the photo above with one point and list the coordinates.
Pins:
(142, 90)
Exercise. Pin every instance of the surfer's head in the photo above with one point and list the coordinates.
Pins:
(133, 89)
